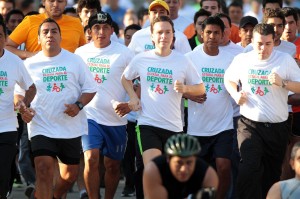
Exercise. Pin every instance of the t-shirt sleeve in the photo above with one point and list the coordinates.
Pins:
(24, 80)
(232, 72)
(293, 71)
(20, 34)
(86, 80)
(182, 44)
(131, 71)
(192, 76)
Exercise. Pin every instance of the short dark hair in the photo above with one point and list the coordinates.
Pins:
(265, 2)
(4, 27)
(274, 14)
(142, 12)
(49, 20)
(89, 4)
(218, 1)
(162, 19)
(13, 12)
(201, 13)
(288, 11)
(116, 28)
(236, 4)
(32, 13)
(69, 10)
(86, 28)
(213, 20)
(295, 148)
(132, 27)
(222, 15)
(264, 29)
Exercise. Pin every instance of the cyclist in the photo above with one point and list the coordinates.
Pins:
(179, 172)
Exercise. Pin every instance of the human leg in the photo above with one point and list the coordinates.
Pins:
(112, 176)
(8, 149)
(251, 168)
(44, 166)
(222, 155)
(68, 175)
(25, 162)
(128, 163)
(91, 173)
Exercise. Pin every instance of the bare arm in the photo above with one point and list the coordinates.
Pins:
(152, 183)
(275, 79)
(199, 98)
(274, 192)
(294, 100)
(193, 90)
(134, 102)
(29, 95)
(22, 103)
(72, 109)
(239, 97)
(13, 47)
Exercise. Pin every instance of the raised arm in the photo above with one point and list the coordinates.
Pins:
(13, 47)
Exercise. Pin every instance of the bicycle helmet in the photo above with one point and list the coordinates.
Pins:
(182, 145)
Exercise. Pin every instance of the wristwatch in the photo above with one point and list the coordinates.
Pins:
(284, 83)
(79, 104)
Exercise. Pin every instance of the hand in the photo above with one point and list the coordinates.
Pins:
(71, 110)
(199, 99)
(121, 108)
(275, 79)
(240, 98)
(20, 105)
(179, 87)
(134, 104)
(27, 115)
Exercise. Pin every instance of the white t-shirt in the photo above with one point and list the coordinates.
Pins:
(284, 46)
(215, 114)
(141, 41)
(180, 24)
(160, 103)
(265, 102)
(233, 49)
(59, 80)
(107, 66)
(12, 72)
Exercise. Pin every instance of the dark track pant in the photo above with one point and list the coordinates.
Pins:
(8, 149)
(262, 147)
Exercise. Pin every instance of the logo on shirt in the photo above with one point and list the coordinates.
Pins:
(149, 47)
(100, 68)
(258, 79)
(55, 76)
(160, 79)
(213, 79)
(3, 81)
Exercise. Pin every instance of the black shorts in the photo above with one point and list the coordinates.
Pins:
(66, 150)
(150, 137)
(216, 146)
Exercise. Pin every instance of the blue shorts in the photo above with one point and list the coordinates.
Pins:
(110, 140)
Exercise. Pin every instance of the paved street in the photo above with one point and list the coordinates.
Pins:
(18, 192)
